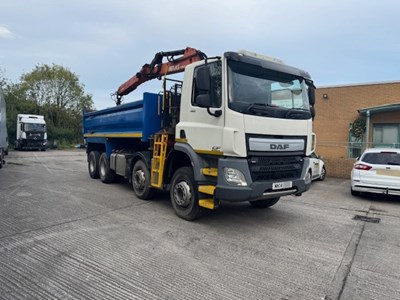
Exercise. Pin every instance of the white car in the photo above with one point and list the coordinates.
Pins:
(317, 167)
(377, 171)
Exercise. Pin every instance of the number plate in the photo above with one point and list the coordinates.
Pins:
(281, 185)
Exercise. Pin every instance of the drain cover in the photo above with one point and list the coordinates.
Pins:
(366, 219)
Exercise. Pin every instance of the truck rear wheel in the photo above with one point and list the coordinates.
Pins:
(141, 181)
(106, 174)
(184, 194)
(264, 203)
(93, 164)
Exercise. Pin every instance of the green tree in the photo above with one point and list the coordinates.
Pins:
(55, 85)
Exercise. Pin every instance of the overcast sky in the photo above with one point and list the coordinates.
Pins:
(106, 42)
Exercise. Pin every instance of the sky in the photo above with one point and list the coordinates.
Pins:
(106, 42)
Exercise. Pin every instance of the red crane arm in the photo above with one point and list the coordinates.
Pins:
(157, 68)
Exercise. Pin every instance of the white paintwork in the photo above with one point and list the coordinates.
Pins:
(203, 131)
(227, 133)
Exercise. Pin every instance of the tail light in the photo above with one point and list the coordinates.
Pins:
(362, 167)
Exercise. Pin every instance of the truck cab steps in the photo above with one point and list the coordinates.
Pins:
(158, 160)
(210, 172)
(207, 190)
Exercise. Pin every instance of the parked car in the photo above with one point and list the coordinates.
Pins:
(317, 167)
(377, 171)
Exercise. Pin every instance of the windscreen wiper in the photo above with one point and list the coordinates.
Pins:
(257, 107)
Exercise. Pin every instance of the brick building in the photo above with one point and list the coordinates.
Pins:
(338, 107)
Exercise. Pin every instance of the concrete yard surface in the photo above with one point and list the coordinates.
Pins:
(64, 235)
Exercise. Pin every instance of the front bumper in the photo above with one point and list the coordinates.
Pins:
(255, 190)
(34, 144)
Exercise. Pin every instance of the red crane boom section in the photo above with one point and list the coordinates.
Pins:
(157, 68)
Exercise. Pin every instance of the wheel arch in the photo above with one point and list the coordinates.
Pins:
(145, 156)
(183, 155)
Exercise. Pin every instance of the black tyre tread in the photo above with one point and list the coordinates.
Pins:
(354, 193)
(193, 211)
(148, 192)
(322, 178)
(109, 175)
(1, 158)
(96, 156)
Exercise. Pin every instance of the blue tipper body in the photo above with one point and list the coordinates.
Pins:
(138, 119)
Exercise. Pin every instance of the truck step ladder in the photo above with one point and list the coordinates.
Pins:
(208, 190)
(158, 160)
(210, 172)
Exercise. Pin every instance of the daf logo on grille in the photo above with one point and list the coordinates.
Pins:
(276, 145)
(279, 146)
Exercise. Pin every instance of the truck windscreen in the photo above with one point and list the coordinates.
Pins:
(263, 92)
(34, 127)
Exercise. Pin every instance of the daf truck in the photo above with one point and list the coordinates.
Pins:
(237, 128)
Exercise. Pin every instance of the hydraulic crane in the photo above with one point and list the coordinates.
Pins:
(157, 68)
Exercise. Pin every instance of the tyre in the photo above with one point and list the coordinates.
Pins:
(264, 203)
(354, 193)
(1, 157)
(310, 175)
(93, 164)
(106, 174)
(323, 174)
(141, 181)
(184, 194)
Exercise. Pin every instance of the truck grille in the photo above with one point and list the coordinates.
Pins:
(275, 168)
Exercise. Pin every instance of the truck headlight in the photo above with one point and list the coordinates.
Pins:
(234, 177)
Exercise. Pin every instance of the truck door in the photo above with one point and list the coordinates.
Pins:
(202, 119)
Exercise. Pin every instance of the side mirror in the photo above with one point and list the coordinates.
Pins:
(312, 110)
(311, 95)
(204, 100)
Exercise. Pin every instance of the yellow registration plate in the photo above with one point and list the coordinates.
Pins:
(395, 173)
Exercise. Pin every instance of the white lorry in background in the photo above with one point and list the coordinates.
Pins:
(3, 128)
(31, 132)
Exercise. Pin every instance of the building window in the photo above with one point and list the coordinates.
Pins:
(386, 135)
(355, 145)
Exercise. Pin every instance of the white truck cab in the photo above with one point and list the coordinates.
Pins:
(31, 132)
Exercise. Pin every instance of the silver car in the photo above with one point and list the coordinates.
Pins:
(377, 171)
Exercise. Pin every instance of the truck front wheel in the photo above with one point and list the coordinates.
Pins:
(106, 174)
(184, 194)
(93, 164)
(264, 203)
(141, 181)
